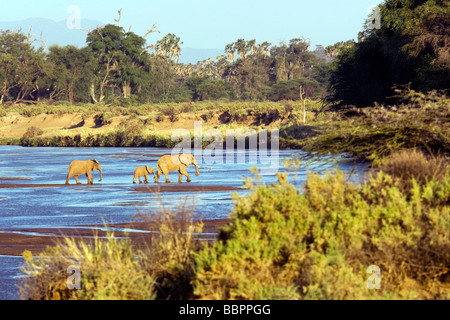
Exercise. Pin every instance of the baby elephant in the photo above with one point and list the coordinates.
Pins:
(143, 172)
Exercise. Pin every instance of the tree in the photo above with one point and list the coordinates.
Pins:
(105, 43)
(21, 67)
(72, 68)
(169, 46)
(411, 47)
(122, 60)
(293, 60)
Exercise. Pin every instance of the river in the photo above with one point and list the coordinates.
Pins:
(33, 195)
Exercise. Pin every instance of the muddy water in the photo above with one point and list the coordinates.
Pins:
(33, 194)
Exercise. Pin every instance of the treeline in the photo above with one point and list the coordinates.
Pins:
(118, 67)
(411, 48)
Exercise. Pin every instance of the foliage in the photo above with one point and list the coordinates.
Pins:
(203, 88)
(289, 89)
(410, 47)
(110, 270)
(114, 268)
(407, 165)
(421, 121)
(23, 74)
(122, 60)
(72, 72)
(317, 244)
(170, 256)
(282, 243)
(32, 132)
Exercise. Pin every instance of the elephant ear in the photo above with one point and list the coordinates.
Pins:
(148, 169)
(96, 161)
(185, 159)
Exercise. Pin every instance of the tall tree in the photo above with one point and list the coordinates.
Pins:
(292, 60)
(169, 46)
(72, 67)
(21, 67)
(121, 58)
(412, 46)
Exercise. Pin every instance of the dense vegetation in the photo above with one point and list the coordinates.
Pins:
(411, 47)
(282, 243)
(119, 67)
(420, 121)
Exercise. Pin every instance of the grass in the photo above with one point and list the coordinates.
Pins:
(114, 268)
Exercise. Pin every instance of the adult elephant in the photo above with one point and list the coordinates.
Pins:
(168, 163)
(79, 167)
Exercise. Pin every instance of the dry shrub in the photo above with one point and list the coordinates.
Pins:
(170, 256)
(170, 111)
(110, 270)
(188, 107)
(406, 165)
(117, 269)
(32, 132)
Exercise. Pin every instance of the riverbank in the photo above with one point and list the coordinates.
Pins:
(370, 133)
(143, 126)
(13, 242)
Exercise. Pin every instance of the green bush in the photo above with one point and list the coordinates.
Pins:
(318, 243)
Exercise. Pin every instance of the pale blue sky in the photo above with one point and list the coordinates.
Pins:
(213, 23)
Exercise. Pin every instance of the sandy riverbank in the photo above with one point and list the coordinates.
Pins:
(13, 242)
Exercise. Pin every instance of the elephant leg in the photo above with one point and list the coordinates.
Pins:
(146, 179)
(180, 176)
(140, 182)
(167, 177)
(184, 172)
(134, 180)
(76, 179)
(67, 180)
(90, 178)
(158, 174)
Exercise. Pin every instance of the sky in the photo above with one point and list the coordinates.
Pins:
(208, 24)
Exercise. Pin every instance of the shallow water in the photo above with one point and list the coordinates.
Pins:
(114, 200)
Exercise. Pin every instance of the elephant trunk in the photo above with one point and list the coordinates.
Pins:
(196, 169)
(100, 169)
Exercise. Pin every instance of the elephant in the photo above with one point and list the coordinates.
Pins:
(168, 163)
(143, 172)
(79, 167)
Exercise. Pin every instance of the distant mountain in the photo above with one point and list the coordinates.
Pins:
(193, 55)
(52, 32)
